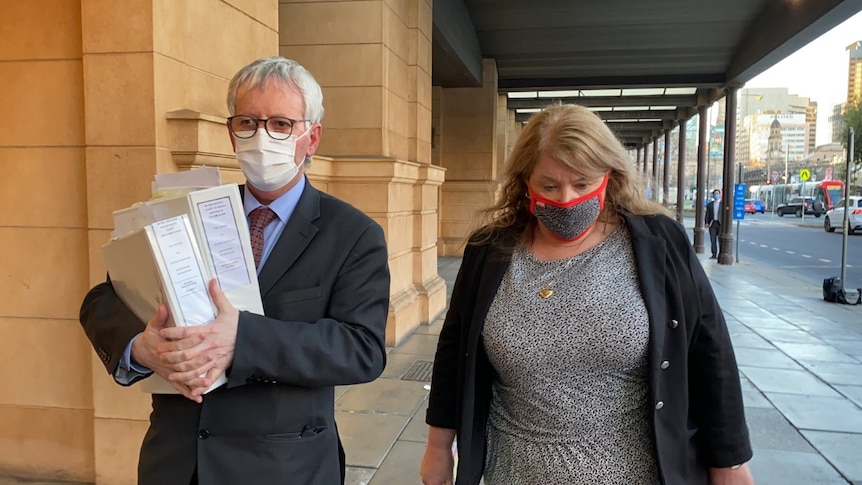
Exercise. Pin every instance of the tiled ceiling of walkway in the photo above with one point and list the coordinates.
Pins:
(607, 53)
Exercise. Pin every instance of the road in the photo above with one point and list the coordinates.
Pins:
(799, 246)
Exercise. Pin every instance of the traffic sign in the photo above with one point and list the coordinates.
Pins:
(774, 176)
(804, 174)
(738, 202)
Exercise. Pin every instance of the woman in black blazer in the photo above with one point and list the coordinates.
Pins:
(583, 342)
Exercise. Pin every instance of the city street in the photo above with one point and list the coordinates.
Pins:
(799, 246)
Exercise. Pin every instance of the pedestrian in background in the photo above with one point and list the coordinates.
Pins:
(712, 220)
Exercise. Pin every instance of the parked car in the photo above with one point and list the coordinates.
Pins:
(835, 218)
(796, 205)
(756, 206)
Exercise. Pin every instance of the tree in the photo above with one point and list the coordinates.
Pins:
(853, 117)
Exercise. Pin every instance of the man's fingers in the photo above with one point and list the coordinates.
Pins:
(187, 392)
(192, 378)
(160, 319)
(221, 301)
(190, 342)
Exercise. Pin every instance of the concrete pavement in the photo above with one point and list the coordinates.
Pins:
(801, 365)
(800, 359)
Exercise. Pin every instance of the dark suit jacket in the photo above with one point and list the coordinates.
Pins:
(325, 290)
(700, 422)
(710, 214)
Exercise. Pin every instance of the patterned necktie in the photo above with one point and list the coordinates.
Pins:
(257, 221)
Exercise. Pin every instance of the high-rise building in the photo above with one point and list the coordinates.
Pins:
(757, 108)
(836, 121)
(811, 121)
(854, 74)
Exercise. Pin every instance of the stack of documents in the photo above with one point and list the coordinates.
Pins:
(167, 249)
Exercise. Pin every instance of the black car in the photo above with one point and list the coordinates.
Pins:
(796, 205)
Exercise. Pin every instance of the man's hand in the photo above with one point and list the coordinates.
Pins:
(731, 476)
(145, 351)
(200, 354)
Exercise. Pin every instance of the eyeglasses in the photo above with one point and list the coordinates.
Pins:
(278, 128)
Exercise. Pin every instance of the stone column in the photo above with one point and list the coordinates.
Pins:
(46, 403)
(373, 60)
(702, 155)
(469, 153)
(154, 102)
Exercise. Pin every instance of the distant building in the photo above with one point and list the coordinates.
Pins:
(837, 122)
(854, 73)
(758, 107)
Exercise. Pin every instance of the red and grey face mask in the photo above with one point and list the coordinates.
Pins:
(569, 221)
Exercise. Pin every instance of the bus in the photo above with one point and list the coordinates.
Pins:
(827, 191)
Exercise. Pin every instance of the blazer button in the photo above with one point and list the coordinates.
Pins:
(665, 365)
(659, 405)
(203, 434)
(673, 324)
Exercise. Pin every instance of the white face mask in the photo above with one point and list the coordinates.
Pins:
(267, 163)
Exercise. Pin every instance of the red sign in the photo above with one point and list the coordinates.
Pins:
(828, 175)
(774, 176)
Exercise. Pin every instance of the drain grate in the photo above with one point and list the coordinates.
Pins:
(419, 371)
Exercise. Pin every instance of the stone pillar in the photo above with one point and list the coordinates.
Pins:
(665, 174)
(46, 405)
(725, 255)
(469, 153)
(680, 173)
(702, 154)
(654, 179)
(373, 61)
(154, 102)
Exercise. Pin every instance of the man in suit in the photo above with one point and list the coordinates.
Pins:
(712, 219)
(324, 282)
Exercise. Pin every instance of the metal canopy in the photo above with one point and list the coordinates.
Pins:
(584, 45)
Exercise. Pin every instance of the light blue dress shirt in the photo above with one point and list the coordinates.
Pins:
(128, 370)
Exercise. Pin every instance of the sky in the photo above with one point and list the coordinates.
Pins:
(817, 71)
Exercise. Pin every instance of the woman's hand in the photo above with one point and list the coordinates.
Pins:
(437, 465)
(731, 476)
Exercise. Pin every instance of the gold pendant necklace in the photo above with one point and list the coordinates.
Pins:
(546, 292)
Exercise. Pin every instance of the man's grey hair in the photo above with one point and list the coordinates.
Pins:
(261, 71)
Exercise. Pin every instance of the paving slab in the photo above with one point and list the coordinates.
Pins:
(419, 344)
(774, 467)
(841, 449)
(751, 397)
(814, 351)
(770, 430)
(358, 476)
(854, 393)
(367, 438)
(384, 396)
(818, 412)
(769, 358)
(401, 466)
(836, 373)
(799, 382)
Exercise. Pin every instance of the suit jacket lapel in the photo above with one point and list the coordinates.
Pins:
(294, 239)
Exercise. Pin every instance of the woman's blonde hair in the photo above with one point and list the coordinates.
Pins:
(580, 140)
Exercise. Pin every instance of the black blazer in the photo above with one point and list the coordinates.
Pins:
(700, 421)
(710, 215)
(325, 290)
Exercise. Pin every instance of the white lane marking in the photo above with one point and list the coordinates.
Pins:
(753, 243)
(764, 246)
(776, 249)
(789, 252)
(824, 260)
(806, 256)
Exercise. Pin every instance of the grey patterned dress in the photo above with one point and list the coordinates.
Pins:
(569, 402)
